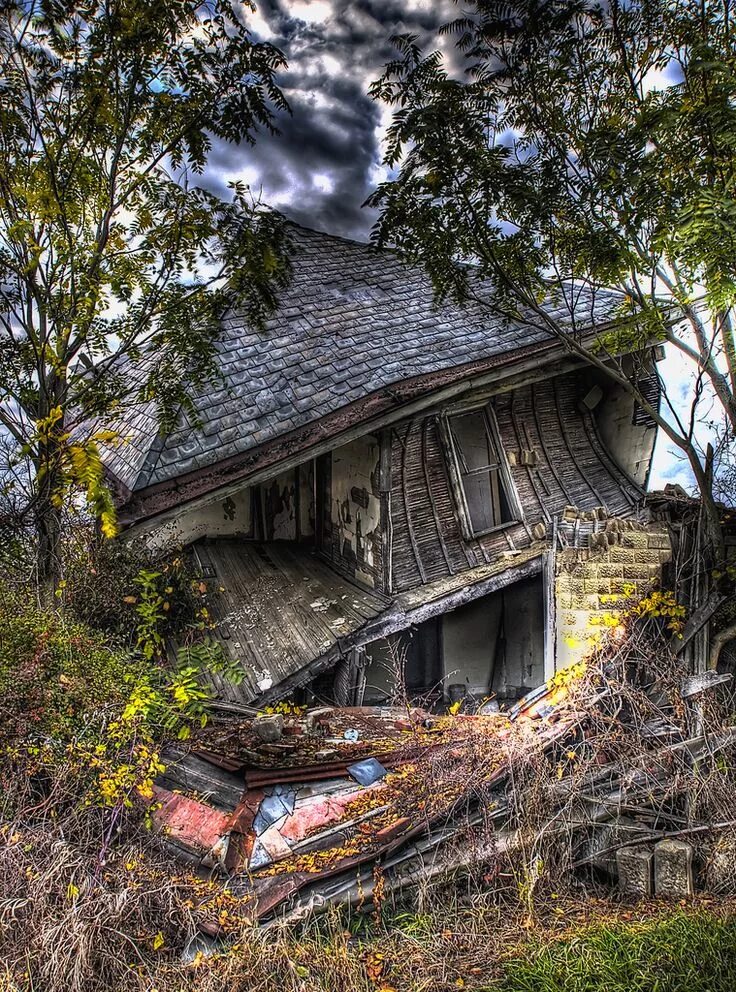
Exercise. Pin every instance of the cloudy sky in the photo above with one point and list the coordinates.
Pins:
(327, 158)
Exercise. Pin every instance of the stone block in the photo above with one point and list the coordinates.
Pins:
(673, 869)
(635, 539)
(637, 573)
(269, 728)
(598, 541)
(720, 866)
(318, 717)
(646, 557)
(658, 541)
(635, 867)
(618, 586)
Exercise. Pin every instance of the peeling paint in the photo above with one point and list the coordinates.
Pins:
(229, 517)
(356, 507)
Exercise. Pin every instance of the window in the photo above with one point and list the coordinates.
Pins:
(479, 474)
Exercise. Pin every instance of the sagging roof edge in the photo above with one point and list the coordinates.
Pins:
(139, 511)
(400, 615)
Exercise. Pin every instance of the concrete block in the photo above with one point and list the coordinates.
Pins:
(598, 542)
(673, 869)
(635, 867)
(637, 573)
(269, 728)
(635, 539)
(720, 866)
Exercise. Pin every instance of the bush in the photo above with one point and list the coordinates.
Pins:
(102, 586)
(55, 671)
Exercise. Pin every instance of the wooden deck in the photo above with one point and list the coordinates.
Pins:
(281, 608)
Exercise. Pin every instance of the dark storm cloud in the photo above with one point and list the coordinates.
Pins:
(326, 160)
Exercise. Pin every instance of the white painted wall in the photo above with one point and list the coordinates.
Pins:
(229, 517)
(355, 466)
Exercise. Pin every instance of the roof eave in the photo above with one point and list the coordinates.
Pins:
(156, 504)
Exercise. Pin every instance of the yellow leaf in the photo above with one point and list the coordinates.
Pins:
(158, 941)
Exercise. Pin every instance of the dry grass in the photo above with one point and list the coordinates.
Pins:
(78, 914)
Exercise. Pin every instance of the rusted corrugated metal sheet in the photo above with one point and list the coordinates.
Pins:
(285, 835)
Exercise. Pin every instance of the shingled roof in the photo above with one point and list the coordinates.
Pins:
(352, 321)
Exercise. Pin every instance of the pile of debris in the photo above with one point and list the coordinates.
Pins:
(303, 809)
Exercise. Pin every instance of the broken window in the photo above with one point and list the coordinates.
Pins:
(479, 474)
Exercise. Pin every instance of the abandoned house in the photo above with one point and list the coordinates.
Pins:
(386, 492)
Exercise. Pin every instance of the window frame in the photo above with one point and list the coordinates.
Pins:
(456, 473)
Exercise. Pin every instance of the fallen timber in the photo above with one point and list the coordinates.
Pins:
(291, 826)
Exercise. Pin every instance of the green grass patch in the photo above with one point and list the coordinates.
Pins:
(681, 952)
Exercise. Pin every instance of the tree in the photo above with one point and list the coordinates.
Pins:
(585, 144)
(115, 268)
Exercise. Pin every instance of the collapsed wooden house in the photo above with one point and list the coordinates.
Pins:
(379, 483)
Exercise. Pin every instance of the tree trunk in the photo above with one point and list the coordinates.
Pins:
(48, 551)
(48, 524)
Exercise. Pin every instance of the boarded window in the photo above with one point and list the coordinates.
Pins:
(481, 482)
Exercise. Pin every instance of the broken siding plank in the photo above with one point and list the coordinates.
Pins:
(405, 571)
(433, 500)
(407, 502)
(557, 498)
(628, 489)
(589, 458)
(580, 454)
(461, 554)
(524, 478)
(553, 449)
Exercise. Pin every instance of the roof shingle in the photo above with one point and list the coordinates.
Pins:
(353, 320)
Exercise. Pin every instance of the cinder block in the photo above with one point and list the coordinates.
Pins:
(623, 555)
(635, 539)
(673, 869)
(638, 573)
(635, 867)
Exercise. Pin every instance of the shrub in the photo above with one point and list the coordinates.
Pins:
(84, 720)
(55, 671)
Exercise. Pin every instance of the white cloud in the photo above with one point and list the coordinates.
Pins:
(311, 11)
(323, 182)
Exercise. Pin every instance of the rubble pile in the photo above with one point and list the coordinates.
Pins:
(299, 809)
(283, 800)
